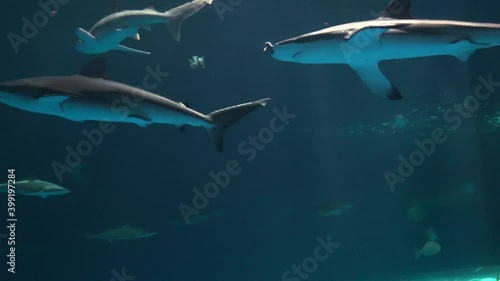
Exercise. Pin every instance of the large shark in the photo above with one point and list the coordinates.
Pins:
(109, 32)
(395, 35)
(89, 97)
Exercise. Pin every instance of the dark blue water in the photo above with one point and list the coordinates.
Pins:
(139, 176)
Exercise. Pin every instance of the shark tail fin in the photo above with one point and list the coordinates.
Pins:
(175, 16)
(224, 118)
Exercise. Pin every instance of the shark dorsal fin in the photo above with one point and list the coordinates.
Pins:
(95, 69)
(398, 9)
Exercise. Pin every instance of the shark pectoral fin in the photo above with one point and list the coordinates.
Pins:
(130, 50)
(140, 119)
(84, 35)
(374, 78)
(465, 55)
(465, 49)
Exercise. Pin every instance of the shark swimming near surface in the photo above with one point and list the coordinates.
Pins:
(395, 35)
(109, 32)
(89, 97)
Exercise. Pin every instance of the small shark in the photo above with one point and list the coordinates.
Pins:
(88, 97)
(109, 32)
(35, 188)
(335, 209)
(395, 35)
(124, 232)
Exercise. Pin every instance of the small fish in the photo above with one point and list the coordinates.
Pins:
(125, 232)
(335, 209)
(197, 62)
(430, 248)
(36, 188)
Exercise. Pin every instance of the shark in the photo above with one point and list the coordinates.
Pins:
(335, 209)
(109, 32)
(35, 187)
(88, 96)
(394, 35)
(124, 232)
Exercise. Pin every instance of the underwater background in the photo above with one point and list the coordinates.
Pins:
(337, 149)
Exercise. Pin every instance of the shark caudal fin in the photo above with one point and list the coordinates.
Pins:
(224, 118)
(177, 15)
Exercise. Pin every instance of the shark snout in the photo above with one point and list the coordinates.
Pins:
(269, 48)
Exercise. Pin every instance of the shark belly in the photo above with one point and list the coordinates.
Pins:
(406, 45)
(320, 52)
(81, 110)
(388, 47)
(50, 105)
(112, 38)
(142, 114)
